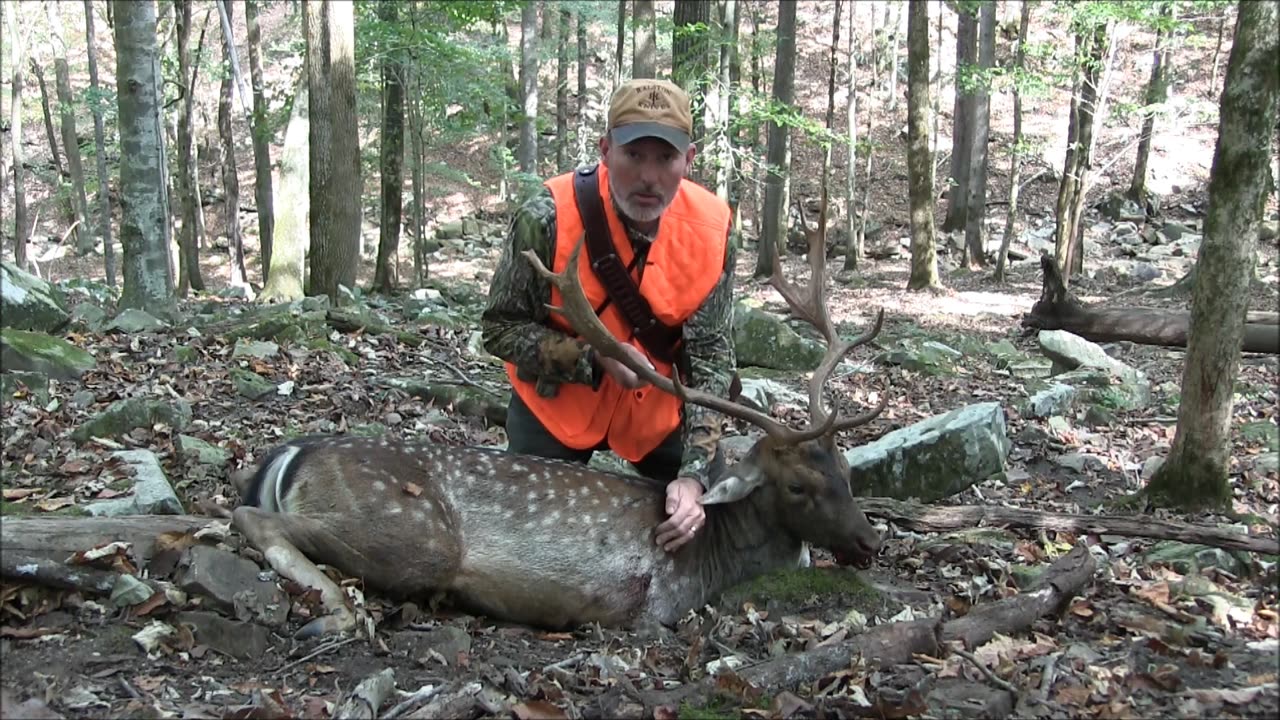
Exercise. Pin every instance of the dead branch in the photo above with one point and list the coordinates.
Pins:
(57, 538)
(941, 518)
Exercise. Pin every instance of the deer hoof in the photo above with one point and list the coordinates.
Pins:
(327, 625)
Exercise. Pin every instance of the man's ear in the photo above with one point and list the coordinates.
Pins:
(604, 148)
(689, 155)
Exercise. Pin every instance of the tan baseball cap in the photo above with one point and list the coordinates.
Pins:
(647, 107)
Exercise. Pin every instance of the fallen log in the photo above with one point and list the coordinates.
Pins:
(942, 518)
(58, 538)
(897, 643)
(1058, 309)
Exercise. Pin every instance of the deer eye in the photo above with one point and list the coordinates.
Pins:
(795, 488)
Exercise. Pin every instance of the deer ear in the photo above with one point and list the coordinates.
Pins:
(736, 483)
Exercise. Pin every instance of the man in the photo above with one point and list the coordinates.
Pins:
(673, 237)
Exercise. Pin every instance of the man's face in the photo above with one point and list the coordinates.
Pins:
(644, 175)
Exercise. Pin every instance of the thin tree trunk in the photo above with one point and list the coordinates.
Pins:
(853, 249)
(936, 89)
(583, 133)
(1157, 91)
(1091, 44)
(1195, 473)
(70, 139)
(620, 51)
(830, 120)
(528, 154)
(924, 258)
(1015, 156)
(644, 63)
(892, 56)
(725, 83)
(17, 49)
(261, 130)
(188, 177)
(100, 147)
(391, 149)
(293, 201)
(1217, 52)
(49, 132)
(230, 176)
(148, 284)
(562, 93)
(777, 181)
(962, 120)
(980, 129)
(690, 52)
(421, 268)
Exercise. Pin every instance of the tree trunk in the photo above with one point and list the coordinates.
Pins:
(853, 249)
(1195, 473)
(528, 153)
(690, 52)
(830, 120)
(620, 51)
(962, 120)
(334, 151)
(17, 49)
(67, 122)
(391, 150)
(726, 82)
(230, 176)
(188, 175)
(891, 55)
(562, 94)
(261, 141)
(583, 132)
(421, 268)
(148, 284)
(1058, 309)
(980, 129)
(49, 132)
(777, 181)
(924, 255)
(1015, 156)
(644, 63)
(1217, 51)
(293, 201)
(100, 147)
(1157, 92)
(1091, 46)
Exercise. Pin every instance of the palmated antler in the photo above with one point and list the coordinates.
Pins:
(810, 306)
(577, 309)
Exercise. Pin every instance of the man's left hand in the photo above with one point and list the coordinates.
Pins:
(686, 514)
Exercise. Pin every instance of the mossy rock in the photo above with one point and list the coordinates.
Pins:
(1262, 431)
(123, 416)
(252, 385)
(796, 587)
(36, 386)
(38, 352)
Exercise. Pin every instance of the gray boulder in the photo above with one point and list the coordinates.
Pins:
(152, 493)
(934, 458)
(29, 303)
(137, 412)
(763, 340)
(1069, 352)
(41, 353)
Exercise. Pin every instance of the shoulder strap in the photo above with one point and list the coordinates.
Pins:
(658, 338)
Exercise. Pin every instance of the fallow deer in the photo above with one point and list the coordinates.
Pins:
(550, 543)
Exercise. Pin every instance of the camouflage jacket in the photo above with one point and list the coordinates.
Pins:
(516, 329)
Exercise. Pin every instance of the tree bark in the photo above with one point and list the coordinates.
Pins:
(49, 132)
(853, 248)
(562, 93)
(1091, 46)
(728, 12)
(391, 151)
(17, 50)
(58, 538)
(334, 149)
(924, 256)
(528, 152)
(189, 276)
(583, 131)
(961, 120)
(1015, 155)
(1195, 473)
(777, 181)
(148, 284)
(293, 201)
(100, 146)
(1157, 92)
(67, 123)
(1058, 309)
(690, 52)
(227, 159)
(261, 130)
(620, 50)
(980, 129)
(644, 62)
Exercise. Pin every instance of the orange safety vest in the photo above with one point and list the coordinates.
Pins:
(682, 267)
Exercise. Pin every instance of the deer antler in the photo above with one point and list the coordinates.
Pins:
(811, 307)
(582, 316)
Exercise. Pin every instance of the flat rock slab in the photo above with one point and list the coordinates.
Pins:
(152, 493)
(233, 585)
(241, 640)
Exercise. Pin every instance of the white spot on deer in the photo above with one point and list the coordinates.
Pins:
(509, 514)
(531, 495)
(531, 508)
(394, 509)
(602, 519)
(600, 484)
(550, 520)
(572, 501)
(515, 467)
(615, 501)
(530, 525)
(379, 485)
(419, 516)
(551, 495)
(595, 500)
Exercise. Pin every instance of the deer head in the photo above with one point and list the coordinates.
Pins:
(797, 471)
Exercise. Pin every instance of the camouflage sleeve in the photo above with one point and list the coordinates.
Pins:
(708, 342)
(514, 325)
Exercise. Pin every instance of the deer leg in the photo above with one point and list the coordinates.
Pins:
(277, 536)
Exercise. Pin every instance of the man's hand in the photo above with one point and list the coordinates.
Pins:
(621, 373)
(686, 514)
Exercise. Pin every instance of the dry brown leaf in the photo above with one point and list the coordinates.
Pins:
(53, 504)
(1153, 593)
(538, 710)
(19, 494)
(1073, 695)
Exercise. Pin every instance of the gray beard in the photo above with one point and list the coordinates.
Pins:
(634, 213)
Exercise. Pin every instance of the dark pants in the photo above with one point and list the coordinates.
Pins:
(527, 435)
